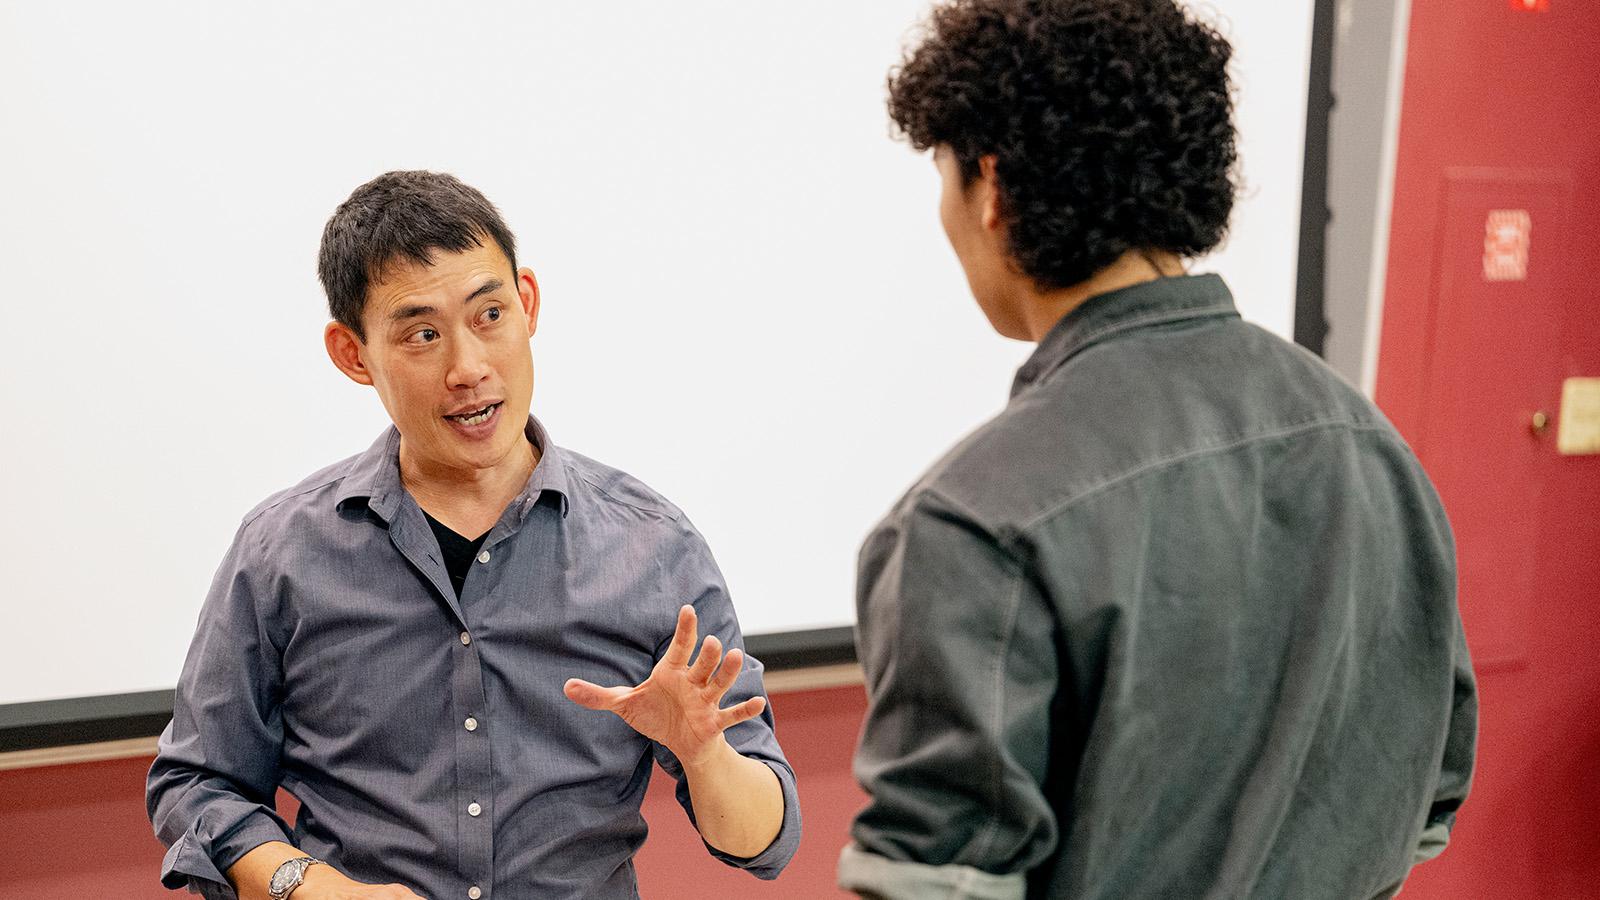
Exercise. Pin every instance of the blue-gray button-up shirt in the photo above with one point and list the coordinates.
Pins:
(427, 738)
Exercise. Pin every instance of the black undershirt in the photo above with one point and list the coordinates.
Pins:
(457, 551)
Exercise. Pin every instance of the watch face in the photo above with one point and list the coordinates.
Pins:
(287, 876)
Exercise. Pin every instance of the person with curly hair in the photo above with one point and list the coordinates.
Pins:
(1181, 620)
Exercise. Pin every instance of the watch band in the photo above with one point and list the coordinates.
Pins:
(289, 875)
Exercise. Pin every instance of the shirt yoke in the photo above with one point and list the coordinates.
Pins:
(1136, 405)
(602, 483)
(616, 487)
(325, 477)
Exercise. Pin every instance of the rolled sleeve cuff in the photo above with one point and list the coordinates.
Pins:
(880, 878)
(198, 863)
(768, 863)
(1432, 842)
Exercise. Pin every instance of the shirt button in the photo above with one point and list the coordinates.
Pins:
(474, 892)
(483, 557)
(474, 810)
(472, 724)
(465, 639)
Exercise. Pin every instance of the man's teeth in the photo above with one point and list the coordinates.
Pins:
(477, 418)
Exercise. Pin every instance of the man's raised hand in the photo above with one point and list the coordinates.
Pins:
(679, 705)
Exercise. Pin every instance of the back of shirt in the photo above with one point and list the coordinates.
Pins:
(1180, 622)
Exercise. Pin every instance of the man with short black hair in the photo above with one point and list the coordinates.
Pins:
(1181, 620)
(394, 639)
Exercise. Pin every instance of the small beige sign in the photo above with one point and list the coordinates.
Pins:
(1579, 432)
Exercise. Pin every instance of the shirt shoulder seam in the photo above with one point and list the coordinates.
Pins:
(586, 479)
(998, 536)
(266, 507)
(1165, 462)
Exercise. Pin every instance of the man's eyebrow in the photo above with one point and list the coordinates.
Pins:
(411, 312)
(488, 287)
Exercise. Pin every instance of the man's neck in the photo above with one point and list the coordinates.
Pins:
(1041, 310)
(469, 502)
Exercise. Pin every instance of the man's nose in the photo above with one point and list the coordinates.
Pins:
(469, 364)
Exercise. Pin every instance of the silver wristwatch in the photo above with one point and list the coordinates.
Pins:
(289, 876)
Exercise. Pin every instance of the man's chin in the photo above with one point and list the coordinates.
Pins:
(448, 452)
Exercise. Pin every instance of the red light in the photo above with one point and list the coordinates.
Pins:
(1531, 5)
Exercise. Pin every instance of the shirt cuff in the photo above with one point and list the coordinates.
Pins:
(1431, 843)
(198, 859)
(768, 863)
(880, 878)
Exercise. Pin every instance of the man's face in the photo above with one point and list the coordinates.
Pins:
(447, 349)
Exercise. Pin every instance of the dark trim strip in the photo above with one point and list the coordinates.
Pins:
(83, 720)
(1311, 291)
(114, 717)
(803, 649)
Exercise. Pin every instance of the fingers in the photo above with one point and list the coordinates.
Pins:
(728, 674)
(706, 663)
(742, 712)
(682, 639)
(593, 696)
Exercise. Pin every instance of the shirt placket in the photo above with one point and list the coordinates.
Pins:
(474, 769)
(474, 800)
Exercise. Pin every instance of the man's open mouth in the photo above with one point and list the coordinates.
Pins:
(476, 417)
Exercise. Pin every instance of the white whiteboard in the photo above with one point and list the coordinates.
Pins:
(747, 299)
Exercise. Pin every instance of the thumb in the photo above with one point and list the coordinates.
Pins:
(592, 696)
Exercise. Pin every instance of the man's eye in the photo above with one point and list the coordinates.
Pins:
(492, 314)
(423, 336)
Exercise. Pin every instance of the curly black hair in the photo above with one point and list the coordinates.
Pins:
(1110, 122)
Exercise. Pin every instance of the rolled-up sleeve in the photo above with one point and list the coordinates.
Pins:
(210, 791)
(960, 661)
(695, 578)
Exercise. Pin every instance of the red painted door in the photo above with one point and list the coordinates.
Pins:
(1493, 300)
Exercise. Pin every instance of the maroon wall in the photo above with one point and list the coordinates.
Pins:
(79, 831)
(1499, 115)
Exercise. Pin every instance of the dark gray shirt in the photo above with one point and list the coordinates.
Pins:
(427, 737)
(1179, 622)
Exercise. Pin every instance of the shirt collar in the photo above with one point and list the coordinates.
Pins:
(1151, 303)
(375, 476)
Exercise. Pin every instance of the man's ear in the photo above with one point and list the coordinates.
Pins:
(988, 185)
(344, 348)
(528, 294)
